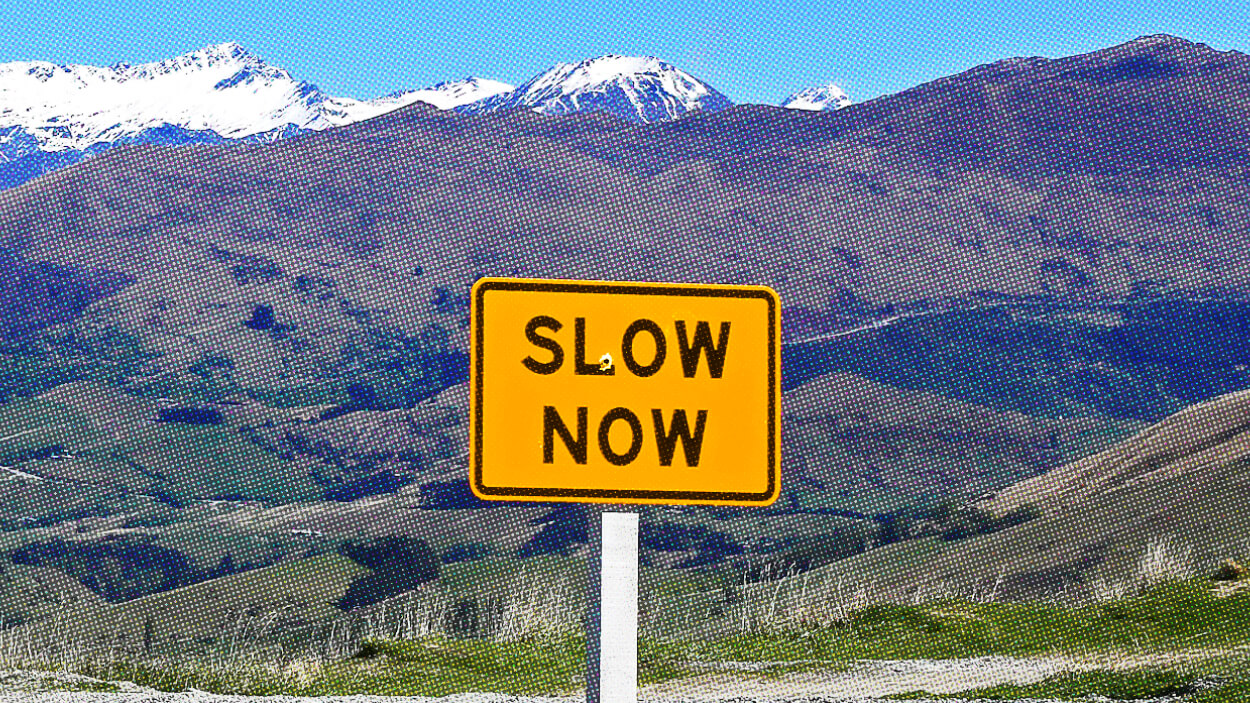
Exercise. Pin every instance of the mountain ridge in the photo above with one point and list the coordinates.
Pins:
(52, 115)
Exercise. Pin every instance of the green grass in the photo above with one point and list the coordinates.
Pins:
(437, 667)
(1169, 617)
(431, 667)
(59, 685)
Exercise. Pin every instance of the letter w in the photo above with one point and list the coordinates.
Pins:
(553, 424)
(691, 351)
(666, 440)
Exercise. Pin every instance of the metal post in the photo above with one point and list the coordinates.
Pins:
(612, 605)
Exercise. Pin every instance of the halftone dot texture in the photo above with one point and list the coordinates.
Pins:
(1015, 364)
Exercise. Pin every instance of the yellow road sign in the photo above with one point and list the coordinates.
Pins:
(624, 392)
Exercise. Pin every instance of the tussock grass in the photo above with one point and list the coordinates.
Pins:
(1167, 617)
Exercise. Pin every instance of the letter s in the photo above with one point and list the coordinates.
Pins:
(557, 353)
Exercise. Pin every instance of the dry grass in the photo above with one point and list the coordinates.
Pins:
(794, 602)
(1166, 558)
(790, 602)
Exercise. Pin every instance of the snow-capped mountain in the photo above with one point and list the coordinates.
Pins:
(223, 90)
(821, 97)
(53, 115)
(635, 88)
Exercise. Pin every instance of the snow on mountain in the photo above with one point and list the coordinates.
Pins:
(52, 115)
(635, 88)
(222, 91)
(444, 96)
(817, 98)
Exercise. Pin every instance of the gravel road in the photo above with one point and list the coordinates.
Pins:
(861, 682)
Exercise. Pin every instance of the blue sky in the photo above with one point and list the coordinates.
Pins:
(752, 53)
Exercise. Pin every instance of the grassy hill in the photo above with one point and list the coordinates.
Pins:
(1170, 498)
(1194, 444)
(282, 598)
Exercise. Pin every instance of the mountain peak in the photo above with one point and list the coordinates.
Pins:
(610, 68)
(224, 52)
(444, 96)
(229, 50)
(634, 88)
(619, 64)
(817, 98)
(1162, 40)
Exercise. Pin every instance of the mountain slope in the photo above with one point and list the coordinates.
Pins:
(317, 288)
(1177, 490)
(949, 191)
(333, 270)
(635, 89)
(1187, 446)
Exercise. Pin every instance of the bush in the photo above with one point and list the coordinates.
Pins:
(1230, 570)
(398, 564)
(471, 551)
(117, 569)
(804, 552)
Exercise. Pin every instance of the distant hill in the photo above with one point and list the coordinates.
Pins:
(869, 448)
(287, 597)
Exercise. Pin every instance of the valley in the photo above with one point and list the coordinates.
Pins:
(233, 399)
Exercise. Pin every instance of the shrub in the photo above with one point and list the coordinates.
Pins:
(471, 551)
(1230, 570)
(398, 564)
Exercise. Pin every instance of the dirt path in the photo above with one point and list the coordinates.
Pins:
(871, 680)
(780, 682)
(861, 680)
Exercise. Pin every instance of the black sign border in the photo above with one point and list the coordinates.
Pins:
(617, 495)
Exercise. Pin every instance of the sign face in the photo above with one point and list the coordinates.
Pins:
(625, 392)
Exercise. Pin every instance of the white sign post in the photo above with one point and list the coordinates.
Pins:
(612, 608)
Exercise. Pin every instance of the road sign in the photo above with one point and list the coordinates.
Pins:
(624, 392)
